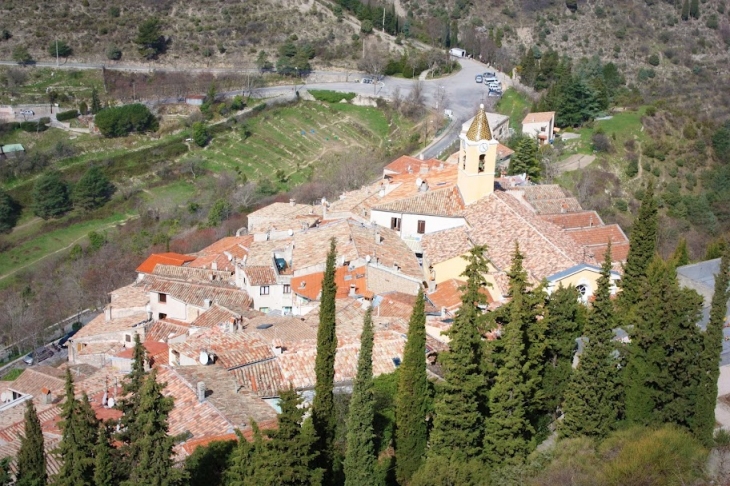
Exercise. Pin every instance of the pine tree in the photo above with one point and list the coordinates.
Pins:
(592, 399)
(360, 458)
(131, 390)
(662, 372)
(151, 452)
(507, 430)
(694, 9)
(103, 467)
(50, 196)
(245, 459)
(288, 459)
(95, 102)
(680, 256)
(685, 10)
(323, 406)
(459, 407)
(79, 430)
(703, 422)
(526, 160)
(411, 433)
(93, 190)
(9, 212)
(31, 456)
(642, 247)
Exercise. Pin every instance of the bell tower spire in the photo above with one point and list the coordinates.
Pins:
(477, 159)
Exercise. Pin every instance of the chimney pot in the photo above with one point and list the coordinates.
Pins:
(201, 391)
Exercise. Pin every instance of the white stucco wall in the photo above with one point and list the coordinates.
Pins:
(409, 222)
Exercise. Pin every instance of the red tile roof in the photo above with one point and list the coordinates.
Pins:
(263, 379)
(582, 219)
(310, 286)
(448, 295)
(260, 275)
(598, 235)
(177, 259)
(539, 117)
(232, 349)
(157, 352)
(619, 252)
(402, 164)
(434, 202)
(163, 330)
(233, 299)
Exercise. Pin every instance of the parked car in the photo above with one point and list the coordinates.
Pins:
(490, 79)
(366, 80)
(27, 112)
(479, 79)
(493, 93)
(37, 356)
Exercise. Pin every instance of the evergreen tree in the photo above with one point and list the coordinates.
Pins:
(703, 423)
(103, 467)
(131, 390)
(151, 452)
(360, 458)
(662, 370)
(525, 159)
(578, 103)
(93, 190)
(564, 320)
(95, 102)
(642, 247)
(459, 407)
(680, 256)
(79, 430)
(245, 459)
(288, 459)
(9, 212)
(685, 10)
(323, 406)
(411, 433)
(50, 196)
(31, 457)
(507, 431)
(694, 9)
(592, 399)
(150, 39)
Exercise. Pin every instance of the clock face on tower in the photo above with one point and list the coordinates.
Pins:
(483, 147)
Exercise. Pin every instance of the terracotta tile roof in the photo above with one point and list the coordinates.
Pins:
(226, 244)
(157, 352)
(404, 185)
(196, 294)
(353, 241)
(547, 198)
(194, 275)
(504, 151)
(582, 219)
(169, 258)
(37, 378)
(192, 444)
(285, 329)
(539, 117)
(221, 253)
(263, 379)
(446, 244)
(434, 202)
(108, 348)
(283, 216)
(129, 296)
(398, 304)
(163, 330)
(99, 325)
(553, 206)
(260, 274)
(215, 316)
(261, 253)
(50, 444)
(237, 406)
(619, 252)
(598, 235)
(448, 295)
(402, 164)
(232, 349)
(310, 286)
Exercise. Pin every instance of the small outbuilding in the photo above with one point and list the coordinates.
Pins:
(195, 100)
(456, 52)
(11, 151)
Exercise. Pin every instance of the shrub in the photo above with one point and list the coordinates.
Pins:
(712, 22)
(200, 134)
(59, 48)
(331, 96)
(366, 26)
(621, 205)
(645, 74)
(33, 127)
(67, 115)
(601, 143)
(119, 121)
(653, 60)
(113, 53)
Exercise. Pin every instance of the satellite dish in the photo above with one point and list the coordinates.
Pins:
(419, 181)
(291, 232)
(4, 397)
(367, 258)
(111, 402)
(203, 358)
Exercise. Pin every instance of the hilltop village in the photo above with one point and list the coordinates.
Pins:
(229, 327)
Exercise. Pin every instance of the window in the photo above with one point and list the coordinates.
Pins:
(264, 290)
(162, 315)
(162, 298)
(286, 310)
(542, 129)
(395, 224)
(287, 289)
(481, 163)
(265, 310)
(128, 338)
(421, 227)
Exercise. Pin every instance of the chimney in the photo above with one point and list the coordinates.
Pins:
(201, 391)
(424, 169)
(208, 303)
(352, 291)
(47, 396)
(420, 156)
(377, 237)
(277, 347)
(292, 202)
(443, 312)
(342, 260)
(214, 266)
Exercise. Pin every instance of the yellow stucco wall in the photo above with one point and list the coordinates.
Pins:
(454, 267)
(585, 276)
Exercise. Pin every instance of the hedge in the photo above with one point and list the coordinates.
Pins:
(119, 121)
(331, 96)
(67, 115)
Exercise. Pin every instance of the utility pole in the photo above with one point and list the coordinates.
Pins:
(56, 53)
(383, 18)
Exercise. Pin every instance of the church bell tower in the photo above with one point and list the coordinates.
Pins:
(477, 160)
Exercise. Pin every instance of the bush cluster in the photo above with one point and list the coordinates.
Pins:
(330, 96)
(67, 115)
(119, 121)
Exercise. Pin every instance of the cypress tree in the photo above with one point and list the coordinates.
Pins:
(131, 388)
(680, 256)
(662, 371)
(9, 212)
(459, 407)
(642, 247)
(50, 196)
(694, 9)
(79, 430)
(685, 10)
(245, 459)
(151, 452)
(525, 160)
(360, 457)
(592, 399)
(564, 319)
(411, 433)
(323, 406)
(92, 190)
(103, 467)
(31, 457)
(288, 458)
(703, 422)
(95, 103)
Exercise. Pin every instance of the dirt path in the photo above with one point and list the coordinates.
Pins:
(27, 223)
(13, 272)
(575, 162)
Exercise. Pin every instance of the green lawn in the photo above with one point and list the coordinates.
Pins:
(621, 127)
(515, 105)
